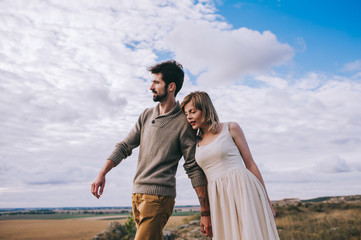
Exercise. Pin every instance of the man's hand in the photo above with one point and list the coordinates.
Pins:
(206, 226)
(99, 182)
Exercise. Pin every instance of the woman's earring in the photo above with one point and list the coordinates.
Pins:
(198, 132)
(198, 136)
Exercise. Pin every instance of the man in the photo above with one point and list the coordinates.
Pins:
(164, 136)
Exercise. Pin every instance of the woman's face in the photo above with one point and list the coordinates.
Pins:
(194, 115)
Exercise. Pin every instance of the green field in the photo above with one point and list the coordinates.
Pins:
(61, 215)
(185, 213)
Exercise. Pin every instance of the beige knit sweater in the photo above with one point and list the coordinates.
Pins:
(163, 140)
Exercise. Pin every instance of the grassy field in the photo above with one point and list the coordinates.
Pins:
(302, 220)
(319, 221)
(59, 216)
(308, 225)
(69, 229)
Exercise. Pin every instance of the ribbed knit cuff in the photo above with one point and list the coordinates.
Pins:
(199, 181)
(115, 157)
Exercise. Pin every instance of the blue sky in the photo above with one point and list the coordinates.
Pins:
(289, 72)
(330, 31)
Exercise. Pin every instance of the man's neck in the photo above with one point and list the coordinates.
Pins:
(166, 106)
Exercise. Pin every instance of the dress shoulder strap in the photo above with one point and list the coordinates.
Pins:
(228, 125)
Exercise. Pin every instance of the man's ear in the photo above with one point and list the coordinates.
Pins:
(172, 87)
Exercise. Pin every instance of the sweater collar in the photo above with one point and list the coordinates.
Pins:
(171, 112)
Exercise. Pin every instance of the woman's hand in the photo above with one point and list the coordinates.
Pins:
(206, 226)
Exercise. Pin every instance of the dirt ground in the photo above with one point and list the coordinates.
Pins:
(70, 229)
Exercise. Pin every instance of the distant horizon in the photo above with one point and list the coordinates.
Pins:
(176, 206)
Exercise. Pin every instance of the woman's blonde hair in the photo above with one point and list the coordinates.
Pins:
(203, 102)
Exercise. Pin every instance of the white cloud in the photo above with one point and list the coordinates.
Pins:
(333, 164)
(311, 81)
(290, 128)
(73, 81)
(221, 54)
(273, 81)
(352, 66)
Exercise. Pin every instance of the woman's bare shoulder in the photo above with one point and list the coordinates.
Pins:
(234, 125)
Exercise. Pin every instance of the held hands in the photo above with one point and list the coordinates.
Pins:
(99, 182)
(206, 226)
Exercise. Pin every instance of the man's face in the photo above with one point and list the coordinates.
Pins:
(159, 88)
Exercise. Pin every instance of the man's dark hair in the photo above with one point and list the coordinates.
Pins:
(171, 71)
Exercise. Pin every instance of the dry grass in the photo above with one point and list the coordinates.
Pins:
(332, 224)
(310, 221)
(69, 229)
(175, 221)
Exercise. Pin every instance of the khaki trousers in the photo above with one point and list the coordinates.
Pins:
(151, 213)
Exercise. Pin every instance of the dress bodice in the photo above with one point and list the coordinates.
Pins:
(219, 157)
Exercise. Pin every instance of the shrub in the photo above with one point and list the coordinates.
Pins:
(191, 218)
(116, 231)
(130, 226)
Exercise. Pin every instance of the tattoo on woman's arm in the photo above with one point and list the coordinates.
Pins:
(204, 203)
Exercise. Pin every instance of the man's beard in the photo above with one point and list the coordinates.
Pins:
(158, 98)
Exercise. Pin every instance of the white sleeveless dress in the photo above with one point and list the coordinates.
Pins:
(238, 201)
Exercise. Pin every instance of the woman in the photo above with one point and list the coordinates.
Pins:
(240, 207)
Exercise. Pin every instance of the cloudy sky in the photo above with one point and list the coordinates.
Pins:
(73, 81)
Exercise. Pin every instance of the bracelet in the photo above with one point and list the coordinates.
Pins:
(205, 214)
